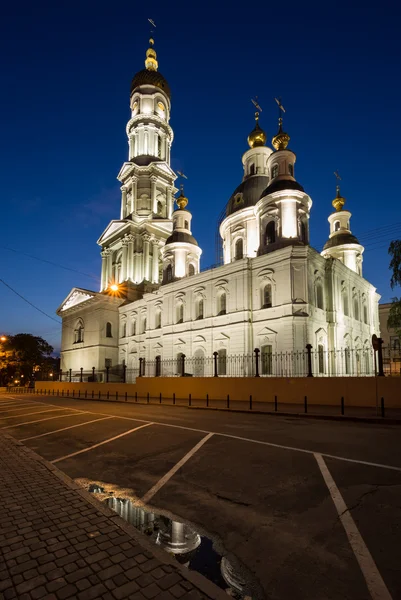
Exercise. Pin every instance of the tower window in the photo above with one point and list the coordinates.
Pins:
(222, 304)
(191, 270)
(319, 295)
(291, 169)
(267, 296)
(123, 330)
(356, 308)
(274, 171)
(79, 332)
(252, 169)
(159, 146)
(270, 236)
(180, 313)
(108, 330)
(239, 249)
(365, 314)
(133, 327)
(186, 225)
(303, 232)
(336, 225)
(169, 273)
(158, 319)
(199, 309)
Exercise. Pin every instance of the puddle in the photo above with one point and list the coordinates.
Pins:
(189, 548)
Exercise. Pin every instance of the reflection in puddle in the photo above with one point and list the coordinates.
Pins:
(183, 542)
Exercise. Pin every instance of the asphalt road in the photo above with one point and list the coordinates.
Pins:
(310, 508)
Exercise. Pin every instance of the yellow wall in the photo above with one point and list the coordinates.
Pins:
(357, 391)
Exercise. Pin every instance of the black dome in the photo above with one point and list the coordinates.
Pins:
(181, 236)
(282, 184)
(148, 77)
(250, 189)
(339, 239)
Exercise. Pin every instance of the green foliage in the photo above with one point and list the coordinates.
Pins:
(22, 354)
(394, 317)
(395, 264)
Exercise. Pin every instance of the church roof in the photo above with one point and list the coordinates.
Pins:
(148, 77)
(339, 239)
(282, 184)
(250, 191)
(181, 236)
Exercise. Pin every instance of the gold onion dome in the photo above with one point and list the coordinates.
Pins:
(281, 139)
(182, 201)
(257, 137)
(338, 201)
(150, 75)
(151, 57)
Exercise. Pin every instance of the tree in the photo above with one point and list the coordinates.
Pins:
(23, 354)
(394, 317)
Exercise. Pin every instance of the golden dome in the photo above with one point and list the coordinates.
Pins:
(281, 139)
(338, 201)
(182, 201)
(151, 57)
(257, 137)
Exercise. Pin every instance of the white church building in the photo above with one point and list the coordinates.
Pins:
(273, 291)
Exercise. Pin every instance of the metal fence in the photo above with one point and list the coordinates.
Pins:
(303, 363)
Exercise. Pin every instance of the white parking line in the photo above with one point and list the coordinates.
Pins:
(37, 412)
(37, 421)
(11, 409)
(100, 443)
(34, 437)
(145, 499)
(376, 586)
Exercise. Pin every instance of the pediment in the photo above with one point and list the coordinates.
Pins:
(221, 337)
(113, 228)
(179, 342)
(75, 297)
(267, 331)
(199, 339)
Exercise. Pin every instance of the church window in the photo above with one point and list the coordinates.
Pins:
(252, 169)
(347, 361)
(356, 308)
(345, 304)
(320, 356)
(79, 332)
(291, 169)
(319, 295)
(336, 225)
(365, 313)
(144, 325)
(270, 236)
(222, 361)
(169, 273)
(191, 269)
(267, 296)
(222, 304)
(266, 357)
(123, 330)
(180, 312)
(199, 309)
(133, 327)
(239, 249)
(159, 208)
(108, 330)
(274, 171)
(158, 318)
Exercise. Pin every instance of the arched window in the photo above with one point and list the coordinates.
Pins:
(158, 318)
(117, 268)
(336, 225)
(347, 361)
(180, 312)
(303, 231)
(267, 296)
(252, 169)
(159, 208)
(186, 225)
(356, 308)
(319, 295)
(79, 332)
(133, 327)
(169, 273)
(123, 329)
(291, 169)
(199, 308)
(191, 269)
(320, 354)
(144, 325)
(365, 313)
(274, 171)
(345, 304)
(108, 330)
(239, 249)
(222, 304)
(270, 236)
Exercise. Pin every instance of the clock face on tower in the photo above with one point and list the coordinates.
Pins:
(161, 106)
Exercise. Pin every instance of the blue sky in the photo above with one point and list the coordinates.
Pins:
(65, 103)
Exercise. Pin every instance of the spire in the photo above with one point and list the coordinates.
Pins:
(182, 200)
(281, 139)
(338, 201)
(151, 57)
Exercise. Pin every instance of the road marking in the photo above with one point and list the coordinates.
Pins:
(26, 407)
(34, 437)
(376, 586)
(145, 499)
(244, 439)
(37, 421)
(37, 412)
(100, 443)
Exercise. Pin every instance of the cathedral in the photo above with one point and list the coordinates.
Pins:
(273, 291)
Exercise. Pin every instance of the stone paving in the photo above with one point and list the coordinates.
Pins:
(57, 542)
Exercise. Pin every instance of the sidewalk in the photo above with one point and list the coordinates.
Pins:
(56, 542)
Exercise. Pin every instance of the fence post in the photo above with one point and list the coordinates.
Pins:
(183, 365)
(306, 403)
(99, 394)
(73, 393)
(86, 393)
(256, 362)
(107, 374)
(250, 402)
(382, 405)
(126, 396)
(228, 400)
(140, 367)
(160, 398)
(380, 357)
(108, 395)
(93, 373)
(215, 355)
(93, 393)
(124, 373)
(79, 393)
(136, 396)
(148, 397)
(174, 398)
(309, 352)
(207, 400)
(275, 403)
(116, 395)
(69, 375)
(81, 375)
(61, 375)
(189, 400)
(342, 405)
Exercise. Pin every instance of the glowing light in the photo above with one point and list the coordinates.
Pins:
(3, 338)
(114, 287)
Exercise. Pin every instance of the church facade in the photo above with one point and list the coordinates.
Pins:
(273, 291)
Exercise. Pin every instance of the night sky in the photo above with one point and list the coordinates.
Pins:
(66, 73)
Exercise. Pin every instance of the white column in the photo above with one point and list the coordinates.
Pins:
(153, 181)
(109, 266)
(123, 203)
(124, 260)
(131, 147)
(133, 194)
(155, 261)
(103, 284)
(130, 240)
(169, 194)
(146, 239)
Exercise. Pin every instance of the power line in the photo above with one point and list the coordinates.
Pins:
(28, 302)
